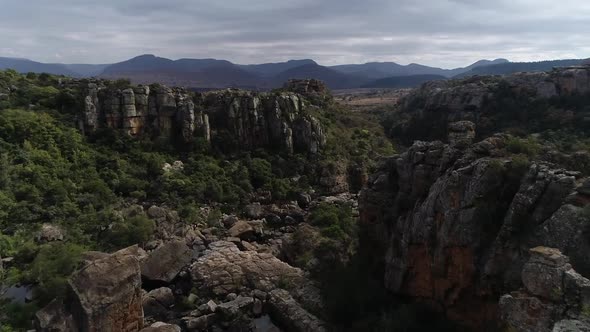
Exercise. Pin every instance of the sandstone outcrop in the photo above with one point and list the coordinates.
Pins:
(452, 227)
(105, 295)
(424, 112)
(554, 297)
(166, 262)
(225, 270)
(229, 119)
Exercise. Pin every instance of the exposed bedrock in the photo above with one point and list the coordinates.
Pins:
(480, 99)
(230, 119)
(452, 224)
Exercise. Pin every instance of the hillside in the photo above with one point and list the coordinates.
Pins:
(332, 78)
(378, 70)
(25, 66)
(515, 67)
(214, 73)
(403, 81)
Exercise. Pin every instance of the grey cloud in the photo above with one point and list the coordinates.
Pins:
(437, 32)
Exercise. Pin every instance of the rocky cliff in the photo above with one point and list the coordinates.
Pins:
(493, 103)
(229, 119)
(554, 298)
(452, 223)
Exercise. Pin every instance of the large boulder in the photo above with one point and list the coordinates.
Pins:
(224, 269)
(162, 327)
(286, 311)
(49, 233)
(554, 298)
(165, 263)
(105, 295)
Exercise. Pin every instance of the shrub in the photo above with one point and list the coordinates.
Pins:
(260, 171)
(528, 146)
(330, 217)
(135, 230)
(51, 267)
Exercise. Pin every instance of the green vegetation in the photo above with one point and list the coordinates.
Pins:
(334, 220)
(529, 146)
(51, 173)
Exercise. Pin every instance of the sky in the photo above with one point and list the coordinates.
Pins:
(444, 33)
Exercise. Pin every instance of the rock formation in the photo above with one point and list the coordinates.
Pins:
(423, 111)
(229, 119)
(554, 297)
(195, 277)
(452, 225)
(105, 295)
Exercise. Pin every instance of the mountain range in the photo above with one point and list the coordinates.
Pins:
(214, 73)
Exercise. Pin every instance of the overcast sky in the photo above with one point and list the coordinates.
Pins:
(446, 33)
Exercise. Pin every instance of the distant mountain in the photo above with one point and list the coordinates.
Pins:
(198, 73)
(214, 73)
(25, 66)
(377, 70)
(272, 69)
(514, 67)
(398, 82)
(333, 78)
(85, 70)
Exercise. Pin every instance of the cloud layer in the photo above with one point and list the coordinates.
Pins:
(445, 33)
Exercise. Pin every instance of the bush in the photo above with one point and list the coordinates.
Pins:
(260, 171)
(135, 230)
(528, 146)
(51, 267)
(335, 220)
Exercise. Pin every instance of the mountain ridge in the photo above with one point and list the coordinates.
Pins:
(219, 73)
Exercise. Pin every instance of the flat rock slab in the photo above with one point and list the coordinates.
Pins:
(224, 269)
(164, 263)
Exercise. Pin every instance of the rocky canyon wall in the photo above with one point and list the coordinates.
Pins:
(232, 119)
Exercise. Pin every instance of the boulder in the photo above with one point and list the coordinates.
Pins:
(242, 229)
(49, 233)
(157, 302)
(232, 309)
(105, 295)
(461, 134)
(156, 212)
(569, 325)
(304, 200)
(224, 269)
(253, 211)
(584, 189)
(162, 327)
(554, 298)
(289, 313)
(164, 263)
(54, 318)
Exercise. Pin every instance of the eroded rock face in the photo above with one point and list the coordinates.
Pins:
(426, 111)
(164, 263)
(286, 310)
(224, 269)
(452, 227)
(265, 282)
(230, 119)
(554, 297)
(105, 295)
